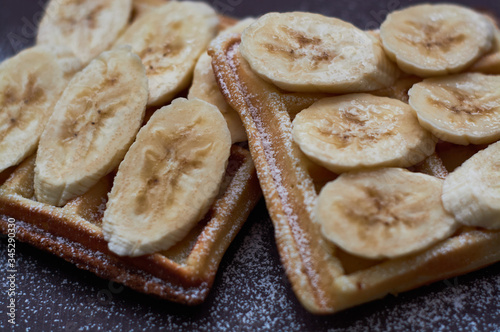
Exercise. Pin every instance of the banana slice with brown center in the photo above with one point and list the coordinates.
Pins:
(314, 53)
(383, 213)
(429, 40)
(462, 109)
(30, 85)
(169, 40)
(87, 27)
(92, 126)
(168, 179)
(361, 131)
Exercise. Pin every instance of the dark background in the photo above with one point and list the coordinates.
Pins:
(251, 291)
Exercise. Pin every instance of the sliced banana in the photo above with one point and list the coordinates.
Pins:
(87, 27)
(313, 53)
(205, 87)
(357, 131)
(383, 213)
(93, 124)
(472, 192)
(429, 40)
(30, 85)
(462, 109)
(169, 40)
(168, 179)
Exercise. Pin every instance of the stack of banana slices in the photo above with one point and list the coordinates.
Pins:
(392, 115)
(97, 98)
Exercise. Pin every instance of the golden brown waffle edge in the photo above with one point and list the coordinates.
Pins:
(184, 273)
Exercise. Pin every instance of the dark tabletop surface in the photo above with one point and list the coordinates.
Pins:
(251, 291)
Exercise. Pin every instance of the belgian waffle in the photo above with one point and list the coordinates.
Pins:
(184, 273)
(327, 279)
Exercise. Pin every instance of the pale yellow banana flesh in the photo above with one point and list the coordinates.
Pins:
(30, 85)
(313, 53)
(93, 124)
(462, 109)
(87, 27)
(429, 40)
(169, 41)
(472, 191)
(168, 179)
(205, 87)
(385, 213)
(359, 131)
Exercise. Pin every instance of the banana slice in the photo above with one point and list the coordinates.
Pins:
(30, 85)
(313, 53)
(174, 170)
(383, 213)
(169, 40)
(461, 109)
(205, 87)
(472, 192)
(361, 131)
(429, 40)
(93, 124)
(86, 27)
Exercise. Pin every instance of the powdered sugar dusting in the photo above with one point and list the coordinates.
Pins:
(250, 293)
(270, 142)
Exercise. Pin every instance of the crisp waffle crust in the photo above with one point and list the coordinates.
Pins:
(183, 273)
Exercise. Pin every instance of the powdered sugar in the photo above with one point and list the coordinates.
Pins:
(250, 293)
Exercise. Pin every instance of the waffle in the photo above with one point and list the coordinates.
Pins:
(324, 278)
(183, 273)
